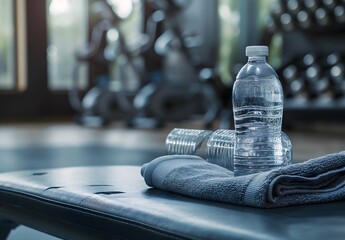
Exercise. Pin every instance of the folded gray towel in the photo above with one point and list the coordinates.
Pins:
(315, 181)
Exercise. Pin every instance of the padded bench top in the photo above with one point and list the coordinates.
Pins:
(113, 202)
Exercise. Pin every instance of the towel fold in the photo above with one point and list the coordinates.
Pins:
(314, 181)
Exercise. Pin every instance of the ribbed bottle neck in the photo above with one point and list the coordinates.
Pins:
(257, 59)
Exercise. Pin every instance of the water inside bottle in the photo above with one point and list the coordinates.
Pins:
(258, 110)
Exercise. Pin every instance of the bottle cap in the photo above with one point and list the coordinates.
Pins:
(256, 51)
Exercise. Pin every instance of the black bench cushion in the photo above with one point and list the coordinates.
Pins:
(113, 202)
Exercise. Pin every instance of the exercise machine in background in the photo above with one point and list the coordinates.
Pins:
(184, 37)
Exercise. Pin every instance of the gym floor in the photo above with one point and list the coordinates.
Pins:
(53, 145)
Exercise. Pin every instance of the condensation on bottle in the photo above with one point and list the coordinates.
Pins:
(258, 111)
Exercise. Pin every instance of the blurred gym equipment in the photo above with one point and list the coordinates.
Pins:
(183, 89)
(312, 71)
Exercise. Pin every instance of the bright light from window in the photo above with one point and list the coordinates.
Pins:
(67, 31)
(123, 8)
(59, 7)
(7, 47)
(113, 35)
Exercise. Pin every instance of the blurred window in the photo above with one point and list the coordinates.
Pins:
(130, 27)
(67, 23)
(7, 45)
(265, 8)
(230, 29)
(236, 29)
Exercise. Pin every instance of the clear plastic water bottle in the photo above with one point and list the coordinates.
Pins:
(220, 148)
(258, 112)
(216, 147)
(186, 141)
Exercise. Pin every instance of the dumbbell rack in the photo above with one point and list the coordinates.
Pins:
(313, 58)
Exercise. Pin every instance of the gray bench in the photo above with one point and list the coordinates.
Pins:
(113, 202)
